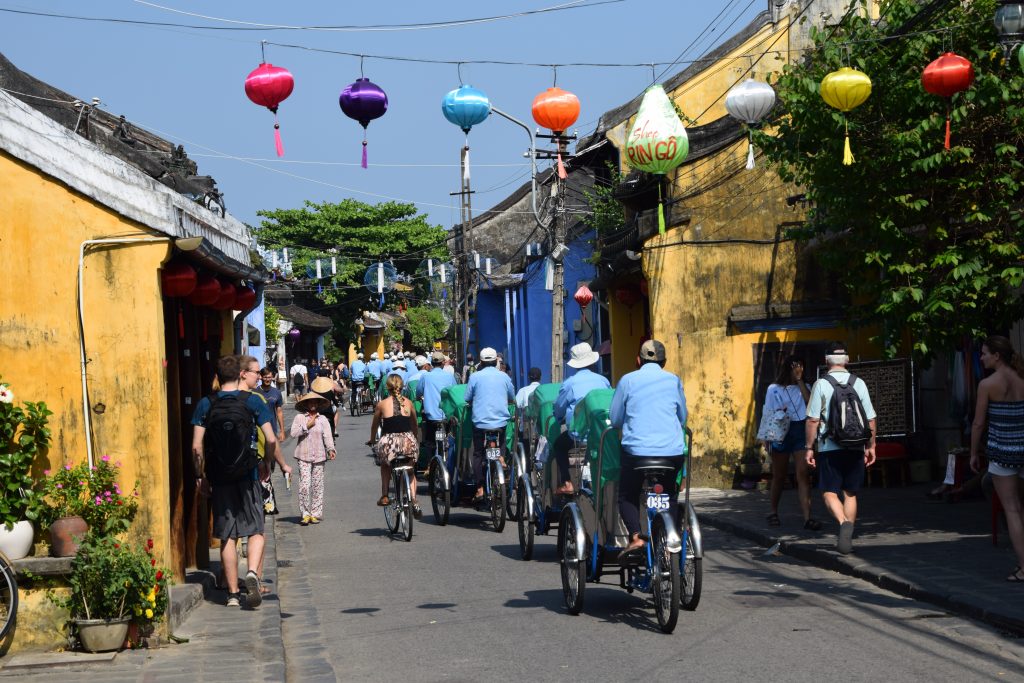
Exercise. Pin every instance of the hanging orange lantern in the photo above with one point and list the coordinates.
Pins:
(178, 279)
(556, 109)
(945, 77)
(206, 292)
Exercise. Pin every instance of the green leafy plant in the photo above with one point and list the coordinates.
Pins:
(606, 212)
(426, 324)
(110, 579)
(926, 241)
(93, 494)
(271, 323)
(23, 435)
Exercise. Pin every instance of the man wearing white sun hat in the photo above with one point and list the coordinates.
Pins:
(573, 390)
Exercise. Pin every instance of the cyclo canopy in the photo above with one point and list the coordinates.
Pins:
(541, 411)
(453, 403)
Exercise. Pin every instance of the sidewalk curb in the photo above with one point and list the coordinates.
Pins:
(878, 576)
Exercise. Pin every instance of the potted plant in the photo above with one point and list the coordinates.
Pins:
(23, 434)
(80, 498)
(112, 585)
(150, 605)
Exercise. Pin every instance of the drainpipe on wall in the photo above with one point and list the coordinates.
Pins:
(240, 320)
(185, 244)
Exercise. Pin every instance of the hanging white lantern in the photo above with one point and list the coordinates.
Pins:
(750, 102)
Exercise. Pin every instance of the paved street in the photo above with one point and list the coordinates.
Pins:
(456, 604)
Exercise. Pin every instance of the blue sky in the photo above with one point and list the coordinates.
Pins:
(186, 85)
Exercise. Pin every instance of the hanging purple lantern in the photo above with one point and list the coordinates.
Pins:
(294, 333)
(363, 101)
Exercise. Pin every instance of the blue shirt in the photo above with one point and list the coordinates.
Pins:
(490, 391)
(273, 396)
(259, 408)
(399, 372)
(650, 408)
(374, 368)
(386, 366)
(429, 391)
(574, 390)
(821, 396)
(358, 370)
(418, 374)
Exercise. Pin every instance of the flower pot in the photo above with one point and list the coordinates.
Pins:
(17, 542)
(102, 635)
(65, 534)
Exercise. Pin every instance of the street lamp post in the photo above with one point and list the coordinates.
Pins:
(1009, 23)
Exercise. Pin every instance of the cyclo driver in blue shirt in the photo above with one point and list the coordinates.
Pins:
(573, 390)
(489, 391)
(428, 390)
(358, 372)
(649, 408)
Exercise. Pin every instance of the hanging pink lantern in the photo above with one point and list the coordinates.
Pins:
(363, 101)
(268, 86)
(583, 296)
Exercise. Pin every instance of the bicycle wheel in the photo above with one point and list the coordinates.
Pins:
(353, 402)
(512, 488)
(8, 597)
(497, 498)
(525, 524)
(666, 581)
(692, 574)
(574, 578)
(392, 508)
(440, 496)
(405, 510)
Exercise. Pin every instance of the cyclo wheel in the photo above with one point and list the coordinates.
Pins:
(525, 523)
(574, 578)
(391, 510)
(692, 573)
(405, 514)
(497, 498)
(666, 581)
(440, 496)
(8, 597)
(512, 496)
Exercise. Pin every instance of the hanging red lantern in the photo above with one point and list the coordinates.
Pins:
(627, 295)
(245, 297)
(945, 77)
(583, 296)
(178, 279)
(268, 86)
(226, 300)
(206, 292)
(556, 109)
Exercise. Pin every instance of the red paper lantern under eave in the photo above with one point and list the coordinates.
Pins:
(178, 279)
(206, 292)
(245, 297)
(627, 295)
(583, 296)
(226, 300)
(945, 77)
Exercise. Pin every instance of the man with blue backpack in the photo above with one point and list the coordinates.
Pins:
(841, 419)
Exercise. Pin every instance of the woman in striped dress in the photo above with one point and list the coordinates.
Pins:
(1001, 408)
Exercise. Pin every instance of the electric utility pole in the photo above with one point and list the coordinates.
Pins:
(465, 259)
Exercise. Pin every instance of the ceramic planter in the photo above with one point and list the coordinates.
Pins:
(65, 533)
(17, 542)
(102, 635)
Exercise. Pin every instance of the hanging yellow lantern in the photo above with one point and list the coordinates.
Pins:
(844, 90)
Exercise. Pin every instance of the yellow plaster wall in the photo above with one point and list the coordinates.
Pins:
(43, 225)
(626, 324)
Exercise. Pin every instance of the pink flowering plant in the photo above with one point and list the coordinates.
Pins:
(93, 494)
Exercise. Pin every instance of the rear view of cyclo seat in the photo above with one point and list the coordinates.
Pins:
(602, 447)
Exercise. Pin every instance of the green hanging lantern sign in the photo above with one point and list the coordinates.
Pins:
(657, 142)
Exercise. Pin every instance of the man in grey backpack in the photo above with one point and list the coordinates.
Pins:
(846, 440)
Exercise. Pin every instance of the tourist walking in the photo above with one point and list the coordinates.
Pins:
(787, 399)
(1000, 407)
(315, 446)
(846, 444)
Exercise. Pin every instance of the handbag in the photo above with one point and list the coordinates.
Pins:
(774, 425)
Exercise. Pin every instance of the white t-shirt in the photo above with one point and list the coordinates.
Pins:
(788, 399)
(300, 369)
(821, 394)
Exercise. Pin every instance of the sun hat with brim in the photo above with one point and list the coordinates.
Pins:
(420, 361)
(322, 385)
(488, 354)
(302, 404)
(582, 356)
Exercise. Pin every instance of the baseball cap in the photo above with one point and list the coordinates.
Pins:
(437, 357)
(836, 349)
(488, 354)
(652, 349)
(359, 355)
(374, 356)
(420, 360)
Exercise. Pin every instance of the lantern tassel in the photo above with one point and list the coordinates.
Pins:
(277, 137)
(364, 153)
(661, 212)
(181, 323)
(750, 153)
(561, 168)
(847, 152)
(948, 107)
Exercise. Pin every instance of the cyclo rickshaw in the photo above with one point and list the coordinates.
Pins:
(427, 445)
(537, 505)
(591, 535)
(450, 477)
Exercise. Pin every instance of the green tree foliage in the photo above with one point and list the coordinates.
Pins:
(271, 322)
(360, 233)
(926, 240)
(606, 213)
(426, 325)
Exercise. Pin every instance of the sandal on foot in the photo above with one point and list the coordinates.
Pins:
(382, 501)
(812, 524)
(1016, 577)
(417, 511)
(773, 520)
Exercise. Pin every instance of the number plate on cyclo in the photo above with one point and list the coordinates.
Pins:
(493, 453)
(657, 501)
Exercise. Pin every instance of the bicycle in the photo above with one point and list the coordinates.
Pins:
(8, 597)
(398, 511)
(438, 478)
(494, 483)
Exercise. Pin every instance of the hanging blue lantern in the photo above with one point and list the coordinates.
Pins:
(466, 107)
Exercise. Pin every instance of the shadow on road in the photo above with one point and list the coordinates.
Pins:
(611, 606)
(541, 553)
